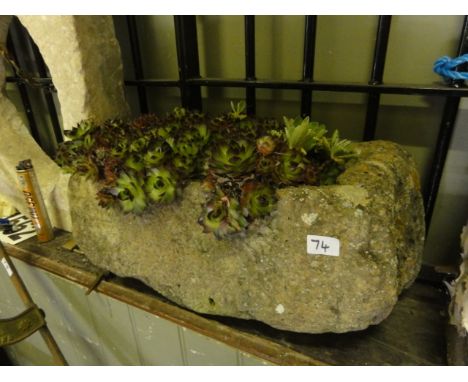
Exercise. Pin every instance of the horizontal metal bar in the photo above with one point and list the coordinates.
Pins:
(349, 87)
(41, 81)
(435, 90)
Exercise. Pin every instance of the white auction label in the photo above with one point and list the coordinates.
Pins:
(323, 245)
(7, 267)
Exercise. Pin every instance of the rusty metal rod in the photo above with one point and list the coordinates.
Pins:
(23, 292)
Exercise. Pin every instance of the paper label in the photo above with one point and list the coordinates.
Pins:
(323, 245)
(24, 229)
(7, 267)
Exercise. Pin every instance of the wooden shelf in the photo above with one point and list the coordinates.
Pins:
(412, 335)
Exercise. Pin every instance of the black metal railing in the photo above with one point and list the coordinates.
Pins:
(190, 83)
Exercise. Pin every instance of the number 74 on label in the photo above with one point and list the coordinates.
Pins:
(323, 245)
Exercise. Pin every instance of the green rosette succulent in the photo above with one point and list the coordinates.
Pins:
(135, 163)
(154, 156)
(258, 200)
(129, 192)
(160, 186)
(139, 144)
(266, 165)
(291, 167)
(235, 157)
(222, 216)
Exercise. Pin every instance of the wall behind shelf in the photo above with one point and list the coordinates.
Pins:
(99, 330)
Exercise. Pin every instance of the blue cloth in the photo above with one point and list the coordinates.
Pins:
(445, 66)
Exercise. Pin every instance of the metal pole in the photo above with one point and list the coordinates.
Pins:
(308, 63)
(18, 283)
(380, 51)
(249, 26)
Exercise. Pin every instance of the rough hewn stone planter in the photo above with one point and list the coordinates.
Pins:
(375, 211)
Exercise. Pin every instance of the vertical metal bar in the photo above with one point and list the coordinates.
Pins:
(187, 57)
(447, 125)
(137, 62)
(249, 25)
(41, 68)
(380, 51)
(308, 63)
(23, 90)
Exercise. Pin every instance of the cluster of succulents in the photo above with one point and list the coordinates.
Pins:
(240, 161)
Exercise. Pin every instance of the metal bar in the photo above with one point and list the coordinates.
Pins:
(433, 90)
(249, 25)
(187, 57)
(380, 51)
(308, 63)
(137, 62)
(22, 89)
(40, 81)
(28, 302)
(428, 90)
(41, 68)
(447, 125)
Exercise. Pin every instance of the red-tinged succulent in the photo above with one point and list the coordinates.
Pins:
(222, 216)
(266, 145)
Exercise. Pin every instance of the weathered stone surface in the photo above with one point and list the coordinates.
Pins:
(83, 56)
(375, 211)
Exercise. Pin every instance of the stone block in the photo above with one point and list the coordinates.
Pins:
(83, 57)
(375, 211)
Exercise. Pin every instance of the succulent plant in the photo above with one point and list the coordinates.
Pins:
(291, 168)
(257, 200)
(266, 145)
(134, 162)
(238, 111)
(222, 215)
(338, 150)
(266, 165)
(243, 159)
(81, 129)
(303, 135)
(146, 122)
(160, 186)
(129, 192)
(234, 157)
(154, 155)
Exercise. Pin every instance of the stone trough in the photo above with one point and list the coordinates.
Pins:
(375, 211)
